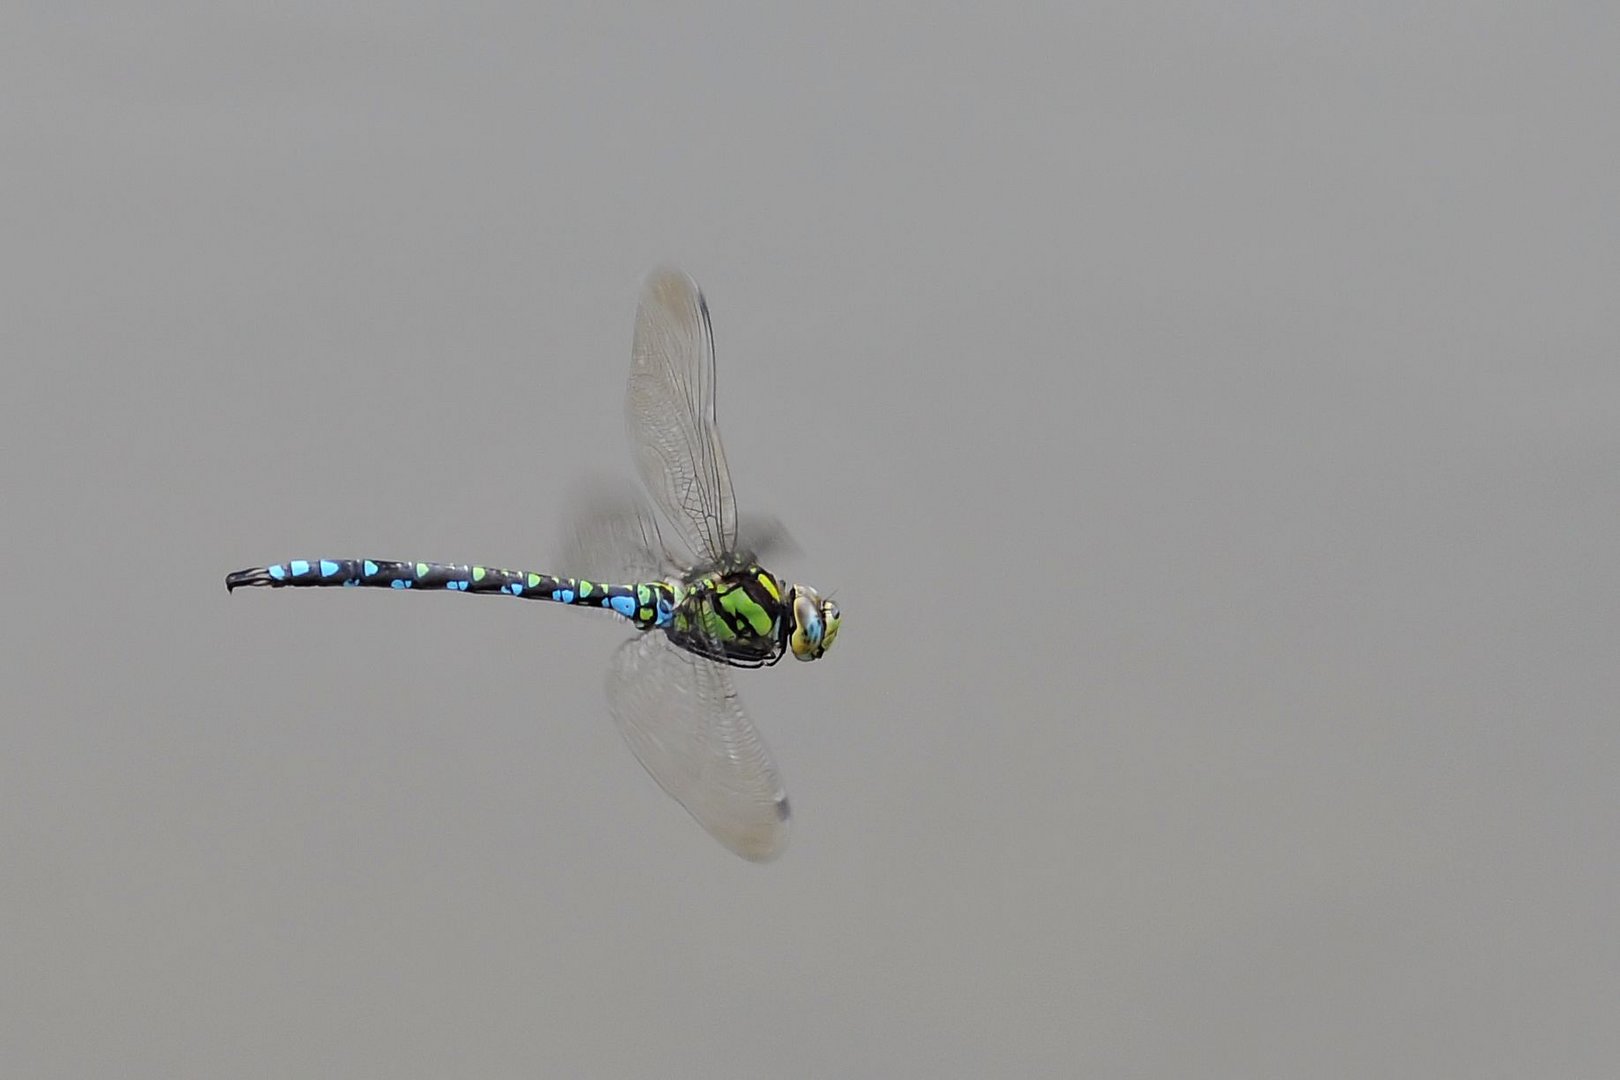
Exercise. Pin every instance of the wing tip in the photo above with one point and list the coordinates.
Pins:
(668, 282)
(762, 845)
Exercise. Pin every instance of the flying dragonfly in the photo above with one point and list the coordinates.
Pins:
(684, 578)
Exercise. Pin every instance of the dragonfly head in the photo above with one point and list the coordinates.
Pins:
(814, 624)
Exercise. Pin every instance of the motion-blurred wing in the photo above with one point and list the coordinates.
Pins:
(682, 719)
(611, 537)
(671, 414)
(767, 539)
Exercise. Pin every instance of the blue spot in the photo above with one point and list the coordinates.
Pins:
(278, 572)
(624, 605)
(299, 567)
(400, 583)
(370, 568)
(563, 596)
(328, 568)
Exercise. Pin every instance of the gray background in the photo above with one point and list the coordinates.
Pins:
(1207, 416)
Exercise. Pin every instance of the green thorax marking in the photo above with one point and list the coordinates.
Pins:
(740, 611)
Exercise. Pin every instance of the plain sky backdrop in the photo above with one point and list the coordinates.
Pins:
(1208, 416)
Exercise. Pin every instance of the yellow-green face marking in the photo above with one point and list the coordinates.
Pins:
(815, 624)
(723, 608)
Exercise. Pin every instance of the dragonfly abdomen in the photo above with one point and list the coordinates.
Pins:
(647, 605)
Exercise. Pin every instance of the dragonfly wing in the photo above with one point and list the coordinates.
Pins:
(681, 716)
(671, 413)
(612, 537)
(767, 539)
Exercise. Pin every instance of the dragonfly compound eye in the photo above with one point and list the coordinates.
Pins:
(812, 633)
(830, 619)
(670, 693)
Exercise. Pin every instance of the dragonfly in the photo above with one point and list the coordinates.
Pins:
(686, 576)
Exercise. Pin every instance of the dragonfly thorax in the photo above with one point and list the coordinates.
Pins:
(738, 616)
(669, 688)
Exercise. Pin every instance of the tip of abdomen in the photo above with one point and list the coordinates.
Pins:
(258, 575)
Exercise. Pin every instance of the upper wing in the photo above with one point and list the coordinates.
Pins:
(670, 409)
(682, 719)
(766, 539)
(611, 537)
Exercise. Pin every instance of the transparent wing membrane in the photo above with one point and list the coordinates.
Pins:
(683, 721)
(677, 565)
(612, 536)
(766, 538)
(670, 407)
